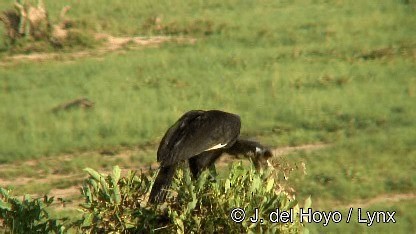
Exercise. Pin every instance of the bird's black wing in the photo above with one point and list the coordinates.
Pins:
(162, 183)
(174, 132)
(196, 132)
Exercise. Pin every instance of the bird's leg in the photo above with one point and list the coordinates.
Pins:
(194, 167)
(203, 161)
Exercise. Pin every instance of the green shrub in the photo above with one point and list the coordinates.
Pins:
(116, 204)
(120, 205)
(28, 215)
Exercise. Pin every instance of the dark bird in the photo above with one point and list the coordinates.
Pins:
(201, 137)
(252, 150)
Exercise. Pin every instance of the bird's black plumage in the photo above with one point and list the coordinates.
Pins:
(253, 150)
(200, 137)
(195, 132)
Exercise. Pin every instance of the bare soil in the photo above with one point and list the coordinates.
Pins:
(383, 198)
(111, 44)
(73, 192)
(48, 178)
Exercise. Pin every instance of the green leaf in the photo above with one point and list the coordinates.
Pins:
(104, 184)
(4, 192)
(179, 223)
(255, 184)
(130, 225)
(93, 173)
(116, 195)
(26, 197)
(192, 204)
(94, 184)
(201, 181)
(5, 206)
(308, 203)
(292, 203)
(227, 185)
(88, 220)
(269, 184)
(116, 173)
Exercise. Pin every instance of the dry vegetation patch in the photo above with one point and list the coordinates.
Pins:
(56, 173)
(31, 35)
(110, 44)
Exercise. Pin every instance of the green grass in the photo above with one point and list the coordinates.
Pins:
(405, 214)
(361, 167)
(139, 94)
(297, 72)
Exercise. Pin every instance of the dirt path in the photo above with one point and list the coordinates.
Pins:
(290, 149)
(383, 198)
(73, 192)
(43, 177)
(111, 44)
(388, 199)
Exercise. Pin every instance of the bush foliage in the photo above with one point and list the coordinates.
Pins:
(116, 204)
(28, 215)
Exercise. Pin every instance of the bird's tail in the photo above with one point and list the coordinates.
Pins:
(162, 184)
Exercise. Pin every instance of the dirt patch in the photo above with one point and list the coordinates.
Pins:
(121, 154)
(46, 179)
(384, 198)
(115, 43)
(116, 154)
(66, 192)
(390, 198)
(111, 44)
(290, 149)
(282, 151)
(222, 161)
(71, 194)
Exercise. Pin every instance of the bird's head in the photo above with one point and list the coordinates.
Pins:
(256, 152)
(261, 157)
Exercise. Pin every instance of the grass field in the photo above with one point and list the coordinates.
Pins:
(297, 72)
